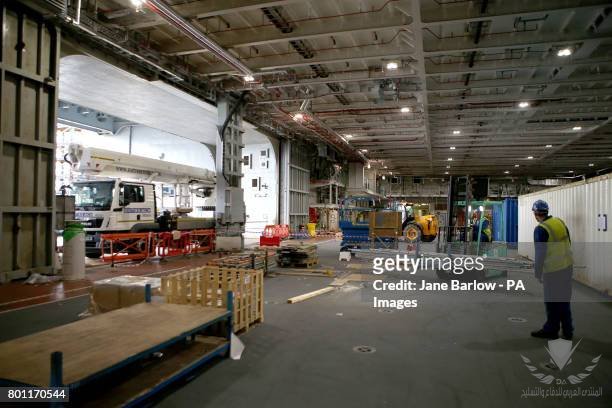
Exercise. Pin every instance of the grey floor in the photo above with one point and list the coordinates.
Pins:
(451, 351)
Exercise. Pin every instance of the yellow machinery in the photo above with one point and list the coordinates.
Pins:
(388, 224)
(419, 225)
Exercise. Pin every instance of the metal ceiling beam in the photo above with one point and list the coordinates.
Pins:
(363, 76)
(516, 96)
(508, 64)
(462, 13)
(198, 10)
(469, 111)
(291, 60)
(505, 83)
(269, 34)
(447, 45)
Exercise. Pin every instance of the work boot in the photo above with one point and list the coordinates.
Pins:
(541, 334)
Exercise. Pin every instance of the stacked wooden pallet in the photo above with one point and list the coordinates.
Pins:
(297, 254)
(255, 259)
(208, 286)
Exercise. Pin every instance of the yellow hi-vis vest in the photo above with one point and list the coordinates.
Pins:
(558, 247)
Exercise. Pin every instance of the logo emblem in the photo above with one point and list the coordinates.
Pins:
(560, 352)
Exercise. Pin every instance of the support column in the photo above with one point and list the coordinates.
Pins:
(284, 170)
(230, 209)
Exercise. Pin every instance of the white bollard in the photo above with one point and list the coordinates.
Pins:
(74, 252)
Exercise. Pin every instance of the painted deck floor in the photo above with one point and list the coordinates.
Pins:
(448, 352)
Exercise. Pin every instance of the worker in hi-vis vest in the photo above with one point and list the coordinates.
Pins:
(553, 267)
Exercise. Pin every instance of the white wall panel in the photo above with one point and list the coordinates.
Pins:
(583, 206)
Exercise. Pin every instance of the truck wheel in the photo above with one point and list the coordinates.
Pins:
(412, 232)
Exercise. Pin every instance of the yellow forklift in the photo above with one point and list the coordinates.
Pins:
(419, 224)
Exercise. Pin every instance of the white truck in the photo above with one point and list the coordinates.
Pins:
(117, 192)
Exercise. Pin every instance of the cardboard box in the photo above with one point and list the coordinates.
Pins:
(121, 291)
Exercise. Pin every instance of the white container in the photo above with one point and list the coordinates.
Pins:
(586, 208)
(74, 253)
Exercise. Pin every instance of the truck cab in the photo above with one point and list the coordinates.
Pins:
(107, 206)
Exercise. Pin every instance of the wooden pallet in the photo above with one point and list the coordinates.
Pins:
(208, 286)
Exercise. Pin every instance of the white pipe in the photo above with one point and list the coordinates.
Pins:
(167, 13)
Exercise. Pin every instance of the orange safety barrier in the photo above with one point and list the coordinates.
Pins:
(136, 246)
(172, 243)
(273, 234)
(201, 241)
(127, 246)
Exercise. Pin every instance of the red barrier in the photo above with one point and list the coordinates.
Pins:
(273, 234)
(127, 246)
(138, 246)
(201, 241)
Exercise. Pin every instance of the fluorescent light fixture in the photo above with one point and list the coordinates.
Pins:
(446, 172)
(523, 104)
(564, 52)
(383, 176)
(450, 159)
(507, 172)
(591, 164)
(448, 167)
(348, 136)
(248, 78)
(548, 146)
(364, 150)
(405, 109)
(517, 165)
(298, 116)
(529, 157)
(577, 128)
(386, 167)
(456, 132)
(571, 171)
(452, 147)
(392, 65)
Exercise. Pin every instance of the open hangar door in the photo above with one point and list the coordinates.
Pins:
(260, 157)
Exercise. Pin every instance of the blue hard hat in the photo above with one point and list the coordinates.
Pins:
(540, 206)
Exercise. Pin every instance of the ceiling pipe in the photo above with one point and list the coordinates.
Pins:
(166, 12)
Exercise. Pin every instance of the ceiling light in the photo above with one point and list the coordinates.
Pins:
(405, 109)
(386, 167)
(298, 116)
(548, 146)
(392, 65)
(448, 167)
(564, 52)
(523, 104)
(348, 136)
(383, 176)
(507, 172)
(571, 171)
(577, 128)
(450, 159)
(369, 165)
(446, 172)
(138, 3)
(248, 78)
(516, 165)
(364, 150)
(456, 132)
(591, 164)
(452, 147)
(529, 157)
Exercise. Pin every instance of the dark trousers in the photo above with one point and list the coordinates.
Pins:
(557, 297)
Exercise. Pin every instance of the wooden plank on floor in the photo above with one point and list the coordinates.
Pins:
(96, 343)
(310, 295)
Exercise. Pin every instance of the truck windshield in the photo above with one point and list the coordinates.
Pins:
(94, 196)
